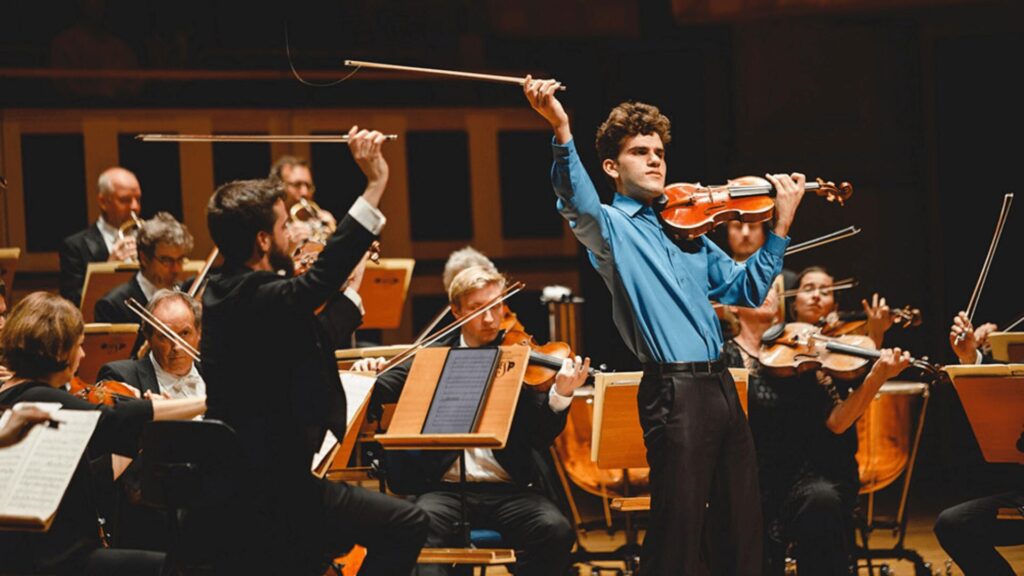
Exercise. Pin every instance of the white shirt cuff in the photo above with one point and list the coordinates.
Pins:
(356, 299)
(371, 218)
(557, 402)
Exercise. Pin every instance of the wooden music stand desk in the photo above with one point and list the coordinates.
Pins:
(384, 290)
(993, 398)
(8, 266)
(493, 425)
(1007, 346)
(102, 277)
(105, 343)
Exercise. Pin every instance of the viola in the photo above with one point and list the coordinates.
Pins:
(544, 361)
(839, 323)
(105, 392)
(798, 347)
(691, 210)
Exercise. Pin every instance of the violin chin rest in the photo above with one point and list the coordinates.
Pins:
(772, 334)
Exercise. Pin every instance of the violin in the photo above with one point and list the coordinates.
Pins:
(691, 210)
(839, 323)
(105, 392)
(799, 347)
(544, 361)
(307, 253)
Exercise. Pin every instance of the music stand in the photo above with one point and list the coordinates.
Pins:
(102, 277)
(993, 398)
(105, 343)
(1007, 346)
(492, 430)
(383, 290)
(8, 265)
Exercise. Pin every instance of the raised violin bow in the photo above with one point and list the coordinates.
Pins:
(440, 72)
(315, 138)
(844, 284)
(847, 232)
(972, 306)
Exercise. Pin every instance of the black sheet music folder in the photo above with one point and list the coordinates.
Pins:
(465, 379)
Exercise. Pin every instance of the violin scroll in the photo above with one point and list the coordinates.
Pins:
(833, 193)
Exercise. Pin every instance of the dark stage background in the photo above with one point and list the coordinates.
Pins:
(915, 103)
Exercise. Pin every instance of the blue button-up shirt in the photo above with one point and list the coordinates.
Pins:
(660, 293)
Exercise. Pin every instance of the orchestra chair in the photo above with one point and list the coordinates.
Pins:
(193, 470)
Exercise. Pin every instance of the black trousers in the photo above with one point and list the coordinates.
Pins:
(527, 521)
(817, 516)
(299, 531)
(969, 533)
(701, 455)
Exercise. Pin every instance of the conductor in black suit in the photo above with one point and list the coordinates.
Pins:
(163, 247)
(504, 487)
(271, 378)
(118, 194)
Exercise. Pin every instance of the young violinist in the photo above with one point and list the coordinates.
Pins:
(271, 375)
(660, 292)
(805, 438)
(970, 531)
(42, 345)
(503, 490)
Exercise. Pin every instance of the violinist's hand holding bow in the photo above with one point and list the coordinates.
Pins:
(571, 375)
(541, 96)
(365, 146)
(373, 365)
(966, 348)
(20, 423)
(789, 190)
(879, 318)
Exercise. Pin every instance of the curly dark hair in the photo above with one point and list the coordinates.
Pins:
(630, 119)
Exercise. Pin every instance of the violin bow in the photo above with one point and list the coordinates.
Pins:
(315, 138)
(415, 348)
(972, 305)
(844, 284)
(440, 72)
(433, 323)
(847, 232)
(162, 328)
(1013, 324)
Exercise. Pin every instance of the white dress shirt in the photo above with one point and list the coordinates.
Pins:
(108, 232)
(481, 465)
(190, 385)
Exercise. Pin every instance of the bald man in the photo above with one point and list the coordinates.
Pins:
(118, 195)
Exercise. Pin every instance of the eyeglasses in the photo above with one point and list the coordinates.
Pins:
(169, 261)
(300, 184)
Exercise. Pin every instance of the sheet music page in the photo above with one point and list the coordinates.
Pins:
(357, 389)
(35, 472)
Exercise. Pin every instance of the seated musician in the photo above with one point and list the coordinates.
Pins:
(42, 345)
(271, 376)
(294, 176)
(502, 491)
(970, 531)
(805, 438)
(118, 195)
(167, 370)
(164, 244)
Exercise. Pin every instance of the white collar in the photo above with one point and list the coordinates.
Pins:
(189, 385)
(108, 232)
(148, 288)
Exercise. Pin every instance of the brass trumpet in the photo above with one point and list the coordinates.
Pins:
(309, 212)
(129, 229)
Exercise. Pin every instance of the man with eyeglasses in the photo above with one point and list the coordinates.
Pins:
(164, 245)
(295, 179)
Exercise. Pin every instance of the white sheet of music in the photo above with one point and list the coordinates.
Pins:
(357, 392)
(35, 473)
